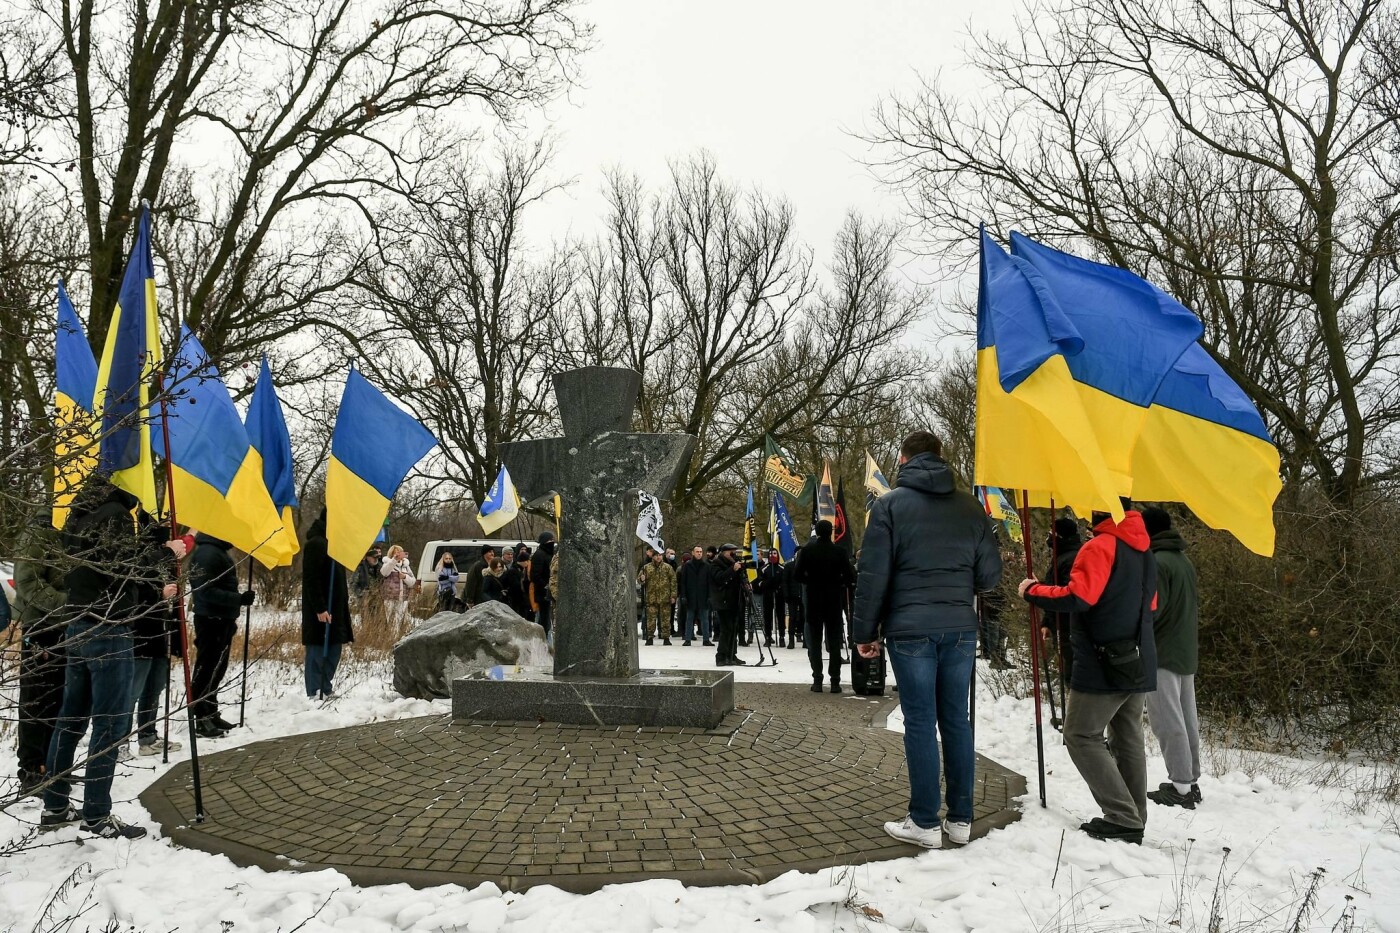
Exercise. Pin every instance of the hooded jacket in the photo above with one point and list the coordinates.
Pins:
(214, 578)
(1112, 591)
(323, 583)
(104, 554)
(927, 551)
(1175, 622)
(39, 588)
(539, 570)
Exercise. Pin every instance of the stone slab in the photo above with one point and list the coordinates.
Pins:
(695, 699)
(794, 781)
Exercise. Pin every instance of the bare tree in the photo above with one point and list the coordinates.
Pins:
(454, 315)
(1241, 152)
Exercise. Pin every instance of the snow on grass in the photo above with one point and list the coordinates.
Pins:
(1038, 874)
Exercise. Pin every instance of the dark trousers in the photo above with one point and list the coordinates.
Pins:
(212, 640)
(321, 664)
(825, 627)
(774, 612)
(148, 679)
(41, 675)
(695, 618)
(797, 620)
(96, 689)
(726, 635)
(545, 617)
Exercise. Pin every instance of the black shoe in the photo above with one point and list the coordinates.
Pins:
(648, 641)
(1196, 793)
(816, 686)
(206, 729)
(707, 643)
(739, 661)
(835, 687)
(768, 643)
(721, 662)
(1168, 796)
(667, 643)
(1099, 828)
(223, 724)
(56, 819)
(790, 644)
(686, 643)
(109, 827)
(30, 782)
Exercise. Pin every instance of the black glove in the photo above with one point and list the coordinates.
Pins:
(245, 598)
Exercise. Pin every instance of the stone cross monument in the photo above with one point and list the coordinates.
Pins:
(596, 468)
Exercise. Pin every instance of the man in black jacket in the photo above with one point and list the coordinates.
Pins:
(693, 583)
(217, 601)
(928, 550)
(825, 572)
(325, 611)
(1112, 591)
(726, 601)
(769, 587)
(472, 580)
(539, 582)
(103, 581)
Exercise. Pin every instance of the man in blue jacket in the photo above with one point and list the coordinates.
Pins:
(927, 552)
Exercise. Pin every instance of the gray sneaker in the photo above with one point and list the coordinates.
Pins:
(157, 747)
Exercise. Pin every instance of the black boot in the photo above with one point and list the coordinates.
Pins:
(816, 685)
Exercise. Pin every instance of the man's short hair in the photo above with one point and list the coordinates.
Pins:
(1156, 519)
(824, 529)
(920, 442)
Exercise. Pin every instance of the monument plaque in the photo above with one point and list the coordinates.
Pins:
(596, 469)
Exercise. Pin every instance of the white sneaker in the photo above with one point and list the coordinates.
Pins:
(958, 833)
(124, 753)
(156, 747)
(907, 831)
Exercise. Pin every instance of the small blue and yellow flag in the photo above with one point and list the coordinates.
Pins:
(502, 504)
(121, 400)
(75, 376)
(374, 445)
(215, 474)
(272, 445)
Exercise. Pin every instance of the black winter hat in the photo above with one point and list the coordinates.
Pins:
(546, 537)
(1066, 529)
(1156, 519)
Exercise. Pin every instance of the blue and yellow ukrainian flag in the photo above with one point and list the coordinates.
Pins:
(502, 504)
(1032, 431)
(122, 400)
(784, 535)
(374, 445)
(1205, 445)
(215, 473)
(75, 376)
(272, 446)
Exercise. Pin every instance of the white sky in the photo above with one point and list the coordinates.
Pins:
(770, 87)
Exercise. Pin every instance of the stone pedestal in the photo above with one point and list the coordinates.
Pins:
(696, 699)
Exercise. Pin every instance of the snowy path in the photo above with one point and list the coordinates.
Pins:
(1039, 874)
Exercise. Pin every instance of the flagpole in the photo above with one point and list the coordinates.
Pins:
(247, 630)
(1035, 643)
(1055, 635)
(180, 605)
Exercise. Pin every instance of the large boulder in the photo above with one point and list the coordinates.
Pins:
(452, 644)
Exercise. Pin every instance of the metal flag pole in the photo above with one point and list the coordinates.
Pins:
(247, 631)
(1035, 643)
(180, 607)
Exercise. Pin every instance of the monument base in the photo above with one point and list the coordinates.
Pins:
(695, 699)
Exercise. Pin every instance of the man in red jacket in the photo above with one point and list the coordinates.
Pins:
(1112, 591)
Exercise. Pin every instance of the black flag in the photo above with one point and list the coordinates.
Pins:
(842, 533)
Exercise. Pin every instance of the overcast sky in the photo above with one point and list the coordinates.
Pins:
(771, 88)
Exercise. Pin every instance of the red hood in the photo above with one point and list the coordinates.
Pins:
(1131, 531)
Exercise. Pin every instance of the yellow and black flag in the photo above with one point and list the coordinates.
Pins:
(780, 473)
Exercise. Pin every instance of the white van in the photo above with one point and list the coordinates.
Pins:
(464, 552)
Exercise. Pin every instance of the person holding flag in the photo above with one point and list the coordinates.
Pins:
(373, 446)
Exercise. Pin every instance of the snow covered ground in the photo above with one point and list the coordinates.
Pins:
(1039, 874)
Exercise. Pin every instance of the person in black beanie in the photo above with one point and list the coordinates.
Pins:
(325, 611)
(539, 582)
(1063, 543)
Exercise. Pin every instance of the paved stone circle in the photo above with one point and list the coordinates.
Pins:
(790, 780)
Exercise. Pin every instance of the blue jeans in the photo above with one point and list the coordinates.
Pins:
(321, 662)
(147, 683)
(96, 689)
(934, 673)
(694, 619)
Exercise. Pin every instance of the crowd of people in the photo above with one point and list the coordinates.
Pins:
(97, 608)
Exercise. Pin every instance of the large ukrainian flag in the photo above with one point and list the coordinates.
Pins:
(75, 376)
(122, 400)
(1205, 445)
(216, 475)
(1032, 432)
(374, 445)
(272, 447)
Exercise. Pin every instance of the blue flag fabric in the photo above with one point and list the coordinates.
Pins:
(787, 535)
(272, 443)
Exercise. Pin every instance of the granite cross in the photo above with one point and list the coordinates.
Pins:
(597, 468)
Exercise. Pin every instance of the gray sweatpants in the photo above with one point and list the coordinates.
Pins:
(1172, 711)
(1116, 773)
